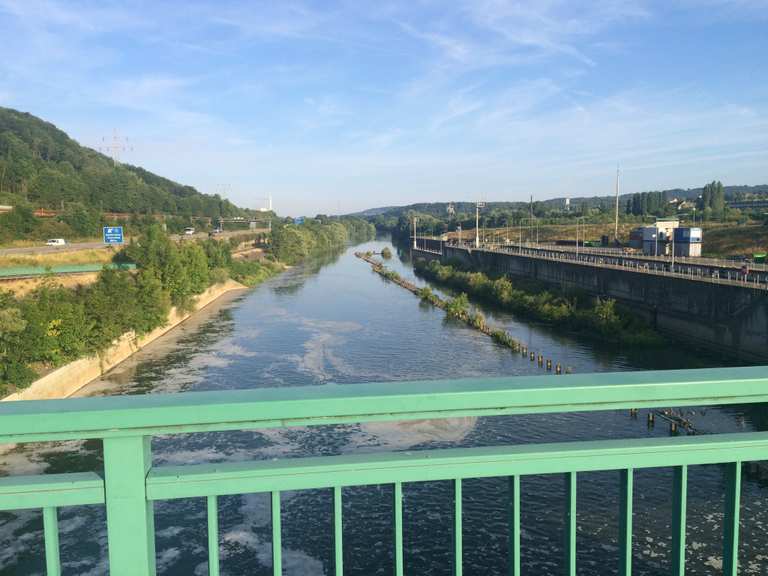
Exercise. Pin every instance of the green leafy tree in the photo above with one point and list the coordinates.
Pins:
(196, 264)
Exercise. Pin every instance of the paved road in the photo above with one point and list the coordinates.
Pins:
(79, 246)
(31, 250)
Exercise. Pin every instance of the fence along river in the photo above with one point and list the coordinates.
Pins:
(336, 321)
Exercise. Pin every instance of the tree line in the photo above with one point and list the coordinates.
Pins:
(292, 243)
(55, 325)
(595, 318)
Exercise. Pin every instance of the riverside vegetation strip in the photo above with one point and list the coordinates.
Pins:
(595, 318)
(54, 325)
(458, 308)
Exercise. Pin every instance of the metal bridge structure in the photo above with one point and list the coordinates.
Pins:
(129, 482)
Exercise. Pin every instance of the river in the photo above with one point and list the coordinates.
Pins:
(333, 320)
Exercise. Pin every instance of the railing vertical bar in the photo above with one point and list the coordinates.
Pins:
(679, 512)
(731, 522)
(213, 536)
(514, 526)
(51, 534)
(458, 545)
(625, 522)
(277, 545)
(130, 515)
(338, 532)
(398, 505)
(570, 519)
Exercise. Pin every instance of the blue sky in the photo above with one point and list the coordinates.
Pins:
(339, 106)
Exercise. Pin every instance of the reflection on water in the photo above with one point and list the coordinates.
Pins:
(333, 320)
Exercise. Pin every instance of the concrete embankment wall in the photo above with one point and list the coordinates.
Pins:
(726, 319)
(68, 379)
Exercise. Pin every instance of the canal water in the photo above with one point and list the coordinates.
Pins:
(334, 320)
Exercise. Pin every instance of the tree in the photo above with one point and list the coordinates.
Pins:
(82, 220)
(196, 265)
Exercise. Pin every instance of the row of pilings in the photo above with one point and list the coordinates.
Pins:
(472, 319)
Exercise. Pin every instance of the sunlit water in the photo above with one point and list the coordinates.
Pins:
(336, 321)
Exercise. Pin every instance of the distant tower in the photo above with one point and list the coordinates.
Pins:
(115, 146)
(567, 204)
(451, 210)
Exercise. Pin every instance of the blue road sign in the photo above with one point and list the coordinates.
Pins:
(299, 220)
(113, 234)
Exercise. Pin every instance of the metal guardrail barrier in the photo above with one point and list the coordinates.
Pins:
(129, 483)
(685, 268)
(34, 271)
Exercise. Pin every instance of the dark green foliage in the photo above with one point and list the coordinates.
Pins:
(292, 243)
(41, 167)
(712, 201)
(55, 325)
(595, 318)
(252, 272)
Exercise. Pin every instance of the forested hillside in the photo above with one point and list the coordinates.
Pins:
(43, 167)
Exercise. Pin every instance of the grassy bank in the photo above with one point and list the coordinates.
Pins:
(594, 318)
(93, 256)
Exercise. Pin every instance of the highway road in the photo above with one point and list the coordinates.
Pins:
(79, 246)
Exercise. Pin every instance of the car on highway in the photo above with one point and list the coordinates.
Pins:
(189, 231)
(56, 242)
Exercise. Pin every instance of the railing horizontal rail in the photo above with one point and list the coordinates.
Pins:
(51, 490)
(169, 482)
(35, 421)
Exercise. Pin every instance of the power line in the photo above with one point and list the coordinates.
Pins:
(114, 146)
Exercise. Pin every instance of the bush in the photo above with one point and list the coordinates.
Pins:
(600, 318)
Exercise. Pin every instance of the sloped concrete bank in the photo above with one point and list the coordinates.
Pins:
(68, 379)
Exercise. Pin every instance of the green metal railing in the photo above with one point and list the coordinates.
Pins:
(129, 484)
(60, 269)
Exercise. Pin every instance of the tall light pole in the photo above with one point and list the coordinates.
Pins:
(616, 225)
(477, 223)
(414, 231)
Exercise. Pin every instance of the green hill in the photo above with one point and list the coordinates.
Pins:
(42, 167)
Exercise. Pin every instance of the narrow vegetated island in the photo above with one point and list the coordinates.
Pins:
(599, 319)
(459, 308)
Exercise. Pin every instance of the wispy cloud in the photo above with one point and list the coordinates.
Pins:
(410, 100)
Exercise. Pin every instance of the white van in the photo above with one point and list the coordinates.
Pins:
(56, 242)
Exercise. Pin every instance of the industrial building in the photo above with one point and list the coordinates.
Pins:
(666, 237)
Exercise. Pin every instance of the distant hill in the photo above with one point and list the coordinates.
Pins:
(439, 209)
(42, 166)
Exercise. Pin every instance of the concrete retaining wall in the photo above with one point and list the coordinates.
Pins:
(68, 379)
(727, 319)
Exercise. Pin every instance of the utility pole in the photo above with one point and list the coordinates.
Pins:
(414, 231)
(616, 225)
(114, 147)
(477, 223)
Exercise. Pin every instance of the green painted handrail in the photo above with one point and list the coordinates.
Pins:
(27, 271)
(129, 484)
(153, 414)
